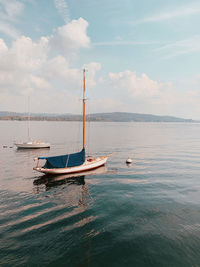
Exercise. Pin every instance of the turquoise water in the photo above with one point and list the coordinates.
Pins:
(145, 214)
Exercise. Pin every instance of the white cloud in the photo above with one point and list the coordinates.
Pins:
(9, 13)
(10, 9)
(57, 70)
(39, 83)
(29, 55)
(183, 11)
(128, 82)
(181, 47)
(63, 9)
(8, 30)
(69, 38)
(3, 47)
(24, 55)
(143, 95)
(124, 43)
(92, 69)
(35, 68)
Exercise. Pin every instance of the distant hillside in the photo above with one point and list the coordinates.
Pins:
(126, 117)
(9, 113)
(113, 116)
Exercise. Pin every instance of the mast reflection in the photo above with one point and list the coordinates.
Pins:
(47, 182)
(72, 195)
(52, 181)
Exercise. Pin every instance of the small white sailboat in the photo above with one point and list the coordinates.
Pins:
(71, 163)
(31, 144)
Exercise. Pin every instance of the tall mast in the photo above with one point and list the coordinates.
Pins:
(84, 99)
(29, 118)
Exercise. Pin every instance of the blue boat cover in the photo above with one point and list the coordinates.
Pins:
(68, 160)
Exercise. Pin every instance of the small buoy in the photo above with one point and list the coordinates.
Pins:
(129, 161)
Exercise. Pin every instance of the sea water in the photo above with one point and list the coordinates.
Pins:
(143, 214)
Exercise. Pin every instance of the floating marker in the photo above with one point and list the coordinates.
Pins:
(129, 161)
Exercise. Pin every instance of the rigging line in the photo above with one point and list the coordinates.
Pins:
(67, 159)
(79, 121)
(78, 129)
(88, 118)
(29, 118)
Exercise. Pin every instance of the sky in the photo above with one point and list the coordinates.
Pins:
(141, 56)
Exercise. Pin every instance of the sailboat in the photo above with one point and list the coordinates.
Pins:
(71, 163)
(31, 144)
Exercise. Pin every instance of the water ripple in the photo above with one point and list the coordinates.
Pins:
(144, 214)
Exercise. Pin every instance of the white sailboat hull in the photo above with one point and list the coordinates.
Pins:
(89, 164)
(32, 145)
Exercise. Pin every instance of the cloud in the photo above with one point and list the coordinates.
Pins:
(30, 55)
(62, 7)
(143, 95)
(9, 13)
(57, 71)
(178, 12)
(181, 47)
(3, 47)
(92, 69)
(43, 70)
(128, 82)
(69, 38)
(124, 43)
(24, 55)
(9, 30)
(10, 10)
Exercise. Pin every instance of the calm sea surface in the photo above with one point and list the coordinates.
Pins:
(145, 214)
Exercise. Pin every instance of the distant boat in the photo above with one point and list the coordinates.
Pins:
(71, 163)
(31, 144)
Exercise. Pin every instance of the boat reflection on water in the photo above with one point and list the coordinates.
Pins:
(76, 179)
(75, 190)
(52, 181)
(32, 150)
